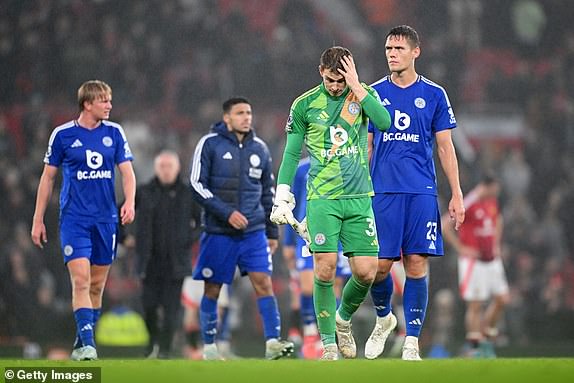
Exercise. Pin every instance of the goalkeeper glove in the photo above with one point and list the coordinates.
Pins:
(301, 229)
(282, 211)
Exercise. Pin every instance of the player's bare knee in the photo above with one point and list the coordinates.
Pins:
(502, 300)
(80, 287)
(325, 266)
(325, 271)
(263, 288)
(365, 275)
(415, 266)
(80, 283)
(383, 269)
(96, 290)
(474, 307)
(211, 290)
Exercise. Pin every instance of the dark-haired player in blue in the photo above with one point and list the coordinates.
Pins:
(87, 149)
(403, 173)
(232, 179)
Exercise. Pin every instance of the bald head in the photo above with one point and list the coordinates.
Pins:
(166, 167)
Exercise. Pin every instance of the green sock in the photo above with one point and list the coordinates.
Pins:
(354, 294)
(325, 307)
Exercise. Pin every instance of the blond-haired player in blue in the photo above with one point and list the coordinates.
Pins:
(87, 149)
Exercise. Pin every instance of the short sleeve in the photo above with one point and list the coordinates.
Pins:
(55, 152)
(123, 151)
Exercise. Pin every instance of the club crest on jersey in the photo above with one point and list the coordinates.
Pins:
(420, 103)
(320, 239)
(354, 108)
(107, 141)
(254, 160)
(207, 272)
(68, 250)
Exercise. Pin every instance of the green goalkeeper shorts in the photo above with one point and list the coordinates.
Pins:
(350, 221)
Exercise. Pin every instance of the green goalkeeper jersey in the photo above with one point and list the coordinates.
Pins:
(335, 132)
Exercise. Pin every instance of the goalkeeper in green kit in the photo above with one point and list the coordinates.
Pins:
(332, 118)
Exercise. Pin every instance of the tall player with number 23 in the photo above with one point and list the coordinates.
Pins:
(403, 172)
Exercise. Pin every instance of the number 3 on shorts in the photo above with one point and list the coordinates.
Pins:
(371, 231)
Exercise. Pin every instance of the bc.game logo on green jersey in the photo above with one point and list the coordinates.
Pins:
(339, 137)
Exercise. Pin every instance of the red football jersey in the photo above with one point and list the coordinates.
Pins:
(479, 228)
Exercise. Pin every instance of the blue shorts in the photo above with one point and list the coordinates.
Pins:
(407, 224)
(220, 254)
(304, 261)
(96, 241)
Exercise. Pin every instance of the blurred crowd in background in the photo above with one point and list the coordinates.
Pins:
(172, 62)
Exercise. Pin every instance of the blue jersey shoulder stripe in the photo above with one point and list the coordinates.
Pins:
(118, 127)
(434, 84)
(58, 129)
(380, 81)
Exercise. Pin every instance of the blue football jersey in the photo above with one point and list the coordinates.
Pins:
(88, 159)
(402, 160)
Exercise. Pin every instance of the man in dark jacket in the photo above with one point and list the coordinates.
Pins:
(166, 227)
(232, 179)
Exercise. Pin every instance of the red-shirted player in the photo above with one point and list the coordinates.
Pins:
(480, 269)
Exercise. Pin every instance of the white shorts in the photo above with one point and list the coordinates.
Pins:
(192, 292)
(478, 280)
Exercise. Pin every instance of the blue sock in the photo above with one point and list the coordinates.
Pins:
(270, 316)
(415, 299)
(78, 341)
(307, 309)
(381, 293)
(224, 330)
(97, 313)
(85, 326)
(208, 319)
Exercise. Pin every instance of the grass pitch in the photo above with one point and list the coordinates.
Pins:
(545, 370)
